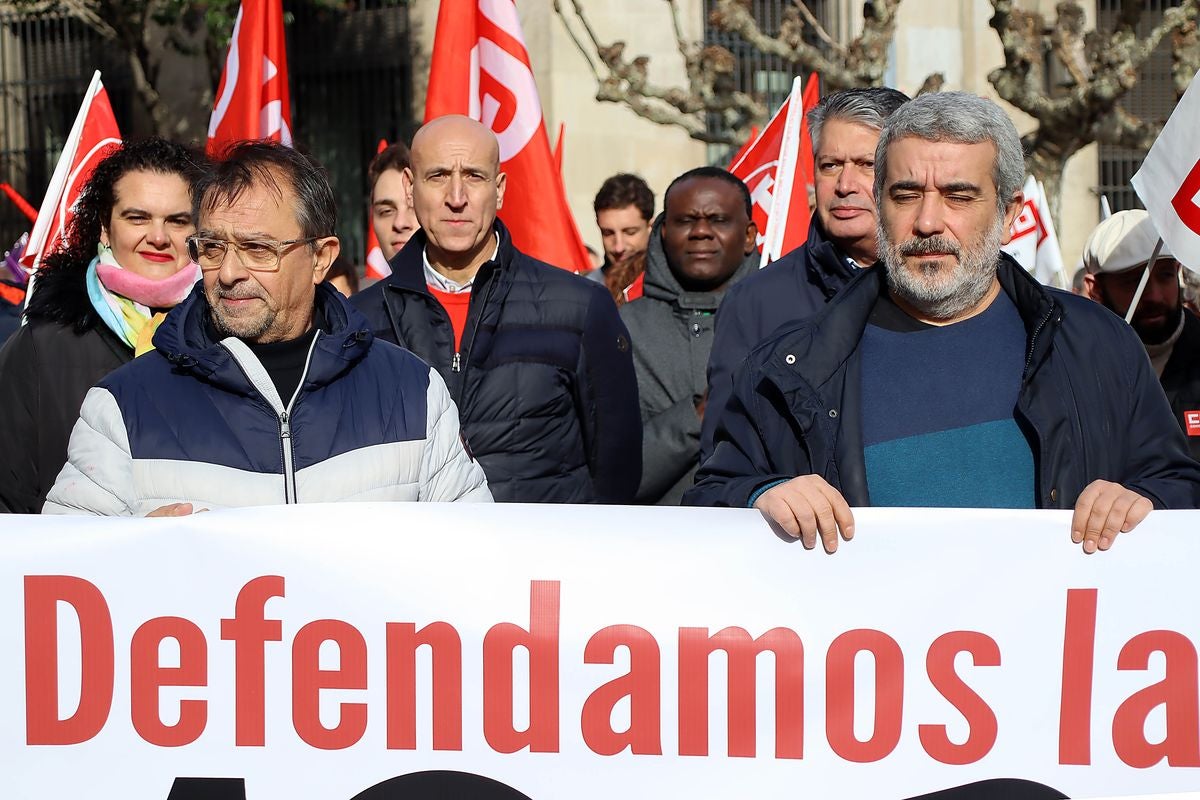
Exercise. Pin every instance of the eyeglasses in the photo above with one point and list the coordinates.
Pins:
(261, 256)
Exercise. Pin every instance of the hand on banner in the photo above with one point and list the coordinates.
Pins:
(173, 510)
(806, 506)
(1103, 510)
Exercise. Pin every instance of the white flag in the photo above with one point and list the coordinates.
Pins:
(1169, 181)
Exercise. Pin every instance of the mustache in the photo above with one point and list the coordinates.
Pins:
(929, 246)
(235, 293)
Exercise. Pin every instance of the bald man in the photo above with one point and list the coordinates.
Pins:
(536, 358)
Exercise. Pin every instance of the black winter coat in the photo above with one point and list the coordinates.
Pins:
(791, 289)
(45, 370)
(1089, 402)
(544, 382)
(1181, 380)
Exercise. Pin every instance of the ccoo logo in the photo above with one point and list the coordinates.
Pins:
(503, 93)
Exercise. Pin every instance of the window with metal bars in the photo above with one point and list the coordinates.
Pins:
(1152, 99)
(766, 77)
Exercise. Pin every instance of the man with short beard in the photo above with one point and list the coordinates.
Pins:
(1114, 260)
(265, 385)
(950, 378)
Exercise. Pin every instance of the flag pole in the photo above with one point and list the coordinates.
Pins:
(1137, 296)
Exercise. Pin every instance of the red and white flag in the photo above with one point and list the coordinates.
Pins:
(480, 68)
(377, 265)
(777, 169)
(1034, 244)
(93, 136)
(1168, 181)
(252, 99)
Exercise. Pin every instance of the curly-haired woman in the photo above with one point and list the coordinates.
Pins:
(96, 303)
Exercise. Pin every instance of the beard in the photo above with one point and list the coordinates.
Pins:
(249, 327)
(938, 291)
(1150, 333)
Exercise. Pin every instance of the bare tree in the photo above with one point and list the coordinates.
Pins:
(1098, 67)
(711, 91)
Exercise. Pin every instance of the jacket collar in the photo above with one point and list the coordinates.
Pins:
(661, 284)
(185, 340)
(828, 267)
(817, 348)
(408, 268)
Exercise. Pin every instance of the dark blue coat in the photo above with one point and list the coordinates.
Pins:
(1089, 401)
(544, 381)
(790, 289)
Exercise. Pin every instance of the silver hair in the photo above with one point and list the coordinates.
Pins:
(963, 118)
(870, 107)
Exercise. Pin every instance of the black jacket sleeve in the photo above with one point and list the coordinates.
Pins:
(20, 489)
(608, 398)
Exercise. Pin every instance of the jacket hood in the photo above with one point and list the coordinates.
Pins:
(661, 284)
(185, 338)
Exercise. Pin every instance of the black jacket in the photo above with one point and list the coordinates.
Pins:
(791, 289)
(1089, 402)
(1181, 379)
(45, 370)
(672, 334)
(544, 384)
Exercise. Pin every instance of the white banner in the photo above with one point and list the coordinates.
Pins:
(600, 652)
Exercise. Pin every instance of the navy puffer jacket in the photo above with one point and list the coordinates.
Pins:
(544, 381)
(200, 421)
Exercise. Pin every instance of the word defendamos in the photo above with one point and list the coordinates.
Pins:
(250, 631)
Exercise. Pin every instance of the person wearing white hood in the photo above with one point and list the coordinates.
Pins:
(1115, 258)
(96, 303)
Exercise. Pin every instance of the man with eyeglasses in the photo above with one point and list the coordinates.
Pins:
(266, 386)
(536, 358)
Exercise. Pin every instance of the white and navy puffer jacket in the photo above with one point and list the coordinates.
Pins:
(200, 421)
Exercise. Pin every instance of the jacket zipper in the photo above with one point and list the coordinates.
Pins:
(456, 363)
(1033, 340)
(285, 432)
(289, 469)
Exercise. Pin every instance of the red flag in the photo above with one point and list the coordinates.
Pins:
(252, 99)
(756, 165)
(480, 68)
(93, 136)
(773, 169)
(20, 202)
(377, 265)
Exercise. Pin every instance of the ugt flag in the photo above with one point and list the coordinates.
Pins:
(480, 68)
(252, 99)
(93, 136)
(1034, 244)
(777, 168)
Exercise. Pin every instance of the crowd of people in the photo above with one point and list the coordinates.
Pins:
(199, 341)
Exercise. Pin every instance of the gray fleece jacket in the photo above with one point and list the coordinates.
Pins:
(672, 334)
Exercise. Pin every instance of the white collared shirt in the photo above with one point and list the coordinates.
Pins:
(443, 284)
